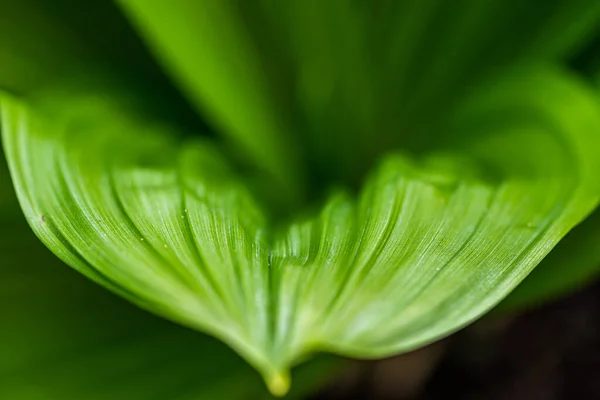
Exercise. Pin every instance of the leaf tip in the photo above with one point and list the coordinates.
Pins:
(279, 384)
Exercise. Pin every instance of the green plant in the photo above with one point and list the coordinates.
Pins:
(366, 177)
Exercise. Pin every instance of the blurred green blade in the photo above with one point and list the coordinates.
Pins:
(432, 51)
(429, 244)
(209, 52)
(353, 79)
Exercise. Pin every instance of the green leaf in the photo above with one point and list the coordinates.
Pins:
(430, 51)
(209, 52)
(63, 337)
(438, 50)
(429, 244)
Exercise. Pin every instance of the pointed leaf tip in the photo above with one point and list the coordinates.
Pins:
(279, 384)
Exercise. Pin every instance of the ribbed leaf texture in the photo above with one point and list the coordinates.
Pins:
(63, 337)
(430, 243)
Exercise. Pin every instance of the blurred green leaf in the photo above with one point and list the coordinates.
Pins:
(210, 54)
(353, 79)
(433, 51)
(429, 244)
